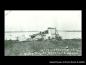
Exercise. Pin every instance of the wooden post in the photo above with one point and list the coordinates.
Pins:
(55, 33)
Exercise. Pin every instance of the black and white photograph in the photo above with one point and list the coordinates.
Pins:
(43, 33)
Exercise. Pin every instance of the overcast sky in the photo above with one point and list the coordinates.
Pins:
(37, 20)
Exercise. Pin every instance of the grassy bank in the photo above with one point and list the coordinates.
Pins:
(44, 48)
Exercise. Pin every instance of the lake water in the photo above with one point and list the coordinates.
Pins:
(25, 35)
(70, 35)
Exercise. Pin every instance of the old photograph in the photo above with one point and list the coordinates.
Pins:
(43, 33)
